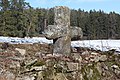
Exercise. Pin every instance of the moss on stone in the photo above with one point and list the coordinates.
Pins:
(39, 63)
(90, 72)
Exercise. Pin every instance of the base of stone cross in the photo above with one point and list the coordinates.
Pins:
(62, 46)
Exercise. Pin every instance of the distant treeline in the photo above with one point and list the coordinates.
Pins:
(18, 18)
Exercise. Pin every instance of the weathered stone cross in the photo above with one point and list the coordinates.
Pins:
(61, 32)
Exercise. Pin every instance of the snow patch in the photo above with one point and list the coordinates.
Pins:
(103, 45)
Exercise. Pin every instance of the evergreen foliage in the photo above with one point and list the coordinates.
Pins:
(18, 18)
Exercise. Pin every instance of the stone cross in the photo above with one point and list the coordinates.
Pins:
(61, 32)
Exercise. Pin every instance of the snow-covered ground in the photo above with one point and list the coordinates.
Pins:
(102, 45)
(16, 40)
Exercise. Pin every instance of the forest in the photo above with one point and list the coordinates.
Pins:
(19, 19)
